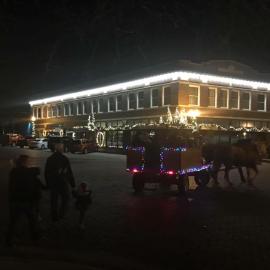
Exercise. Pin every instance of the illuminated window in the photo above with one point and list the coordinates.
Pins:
(167, 95)
(261, 102)
(193, 95)
(131, 101)
(223, 98)
(140, 97)
(212, 93)
(234, 99)
(111, 104)
(245, 101)
(119, 103)
(154, 97)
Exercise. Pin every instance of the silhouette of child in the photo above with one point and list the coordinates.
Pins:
(83, 199)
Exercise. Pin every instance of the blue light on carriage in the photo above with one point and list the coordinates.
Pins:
(194, 169)
(137, 149)
(167, 149)
(177, 149)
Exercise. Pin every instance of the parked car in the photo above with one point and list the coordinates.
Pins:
(40, 143)
(10, 139)
(24, 141)
(83, 146)
(66, 141)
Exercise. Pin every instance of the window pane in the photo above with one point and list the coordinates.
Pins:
(120, 139)
(111, 104)
(112, 139)
(167, 95)
(140, 99)
(35, 112)
(71, 109)
(59, 110)
(49, 111)
(154, 97)
(261, 102)
(193, 96)
(212, 97)
(54, 111)
(86, 109)
(39, 113)
(245, 101)
(119, 103)
(234, 99)
(66, 109)
(223, 94)
(79, 108)
(132, 101)
(101, 105)
(45, 112)
(95, 106)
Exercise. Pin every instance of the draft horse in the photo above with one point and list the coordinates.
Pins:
(244, 153)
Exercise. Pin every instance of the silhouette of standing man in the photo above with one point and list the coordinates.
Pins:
(59, 178)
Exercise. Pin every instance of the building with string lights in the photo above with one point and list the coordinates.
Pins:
(226, 94)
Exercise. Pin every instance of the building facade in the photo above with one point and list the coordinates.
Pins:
(228, 101)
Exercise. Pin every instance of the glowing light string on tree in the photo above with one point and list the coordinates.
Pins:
(169, 116)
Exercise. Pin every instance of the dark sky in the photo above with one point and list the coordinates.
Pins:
(46, 46)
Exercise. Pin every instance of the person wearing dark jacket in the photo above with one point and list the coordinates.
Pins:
(59, 178)
(24, 193)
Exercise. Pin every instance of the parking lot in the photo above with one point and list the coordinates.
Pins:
(213, 228)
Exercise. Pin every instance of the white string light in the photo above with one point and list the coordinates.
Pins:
(167, 77)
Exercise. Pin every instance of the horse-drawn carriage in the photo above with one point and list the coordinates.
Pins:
(167, 157)
(171, 155)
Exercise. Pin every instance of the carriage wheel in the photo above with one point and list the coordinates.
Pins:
(138, 182)
(202, 178)
(183, 185)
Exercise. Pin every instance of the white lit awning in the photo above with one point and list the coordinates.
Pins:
(167, 77)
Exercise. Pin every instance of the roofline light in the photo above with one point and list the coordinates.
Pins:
(167, 77)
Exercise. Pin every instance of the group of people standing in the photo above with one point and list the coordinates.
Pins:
(25, 193)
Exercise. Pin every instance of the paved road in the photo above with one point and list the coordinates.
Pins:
(215, 228)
